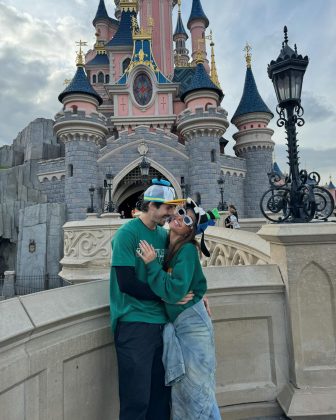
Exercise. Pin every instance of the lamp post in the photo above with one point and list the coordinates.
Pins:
(91, 191)
(222, 204)
(144, 166)
(299, 199)
(108, 183)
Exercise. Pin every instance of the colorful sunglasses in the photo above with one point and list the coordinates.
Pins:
(187, 220)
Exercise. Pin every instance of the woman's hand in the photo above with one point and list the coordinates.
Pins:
(147, 252)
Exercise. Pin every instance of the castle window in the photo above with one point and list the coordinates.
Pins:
(74, 109)
(251, 125)
(70, 170)
(100, 77)
(125, 64)
(259, 125)
(107, 78)
(207, 106)
(213, 155)
(94, 79)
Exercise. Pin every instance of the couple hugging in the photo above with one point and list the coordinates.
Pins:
(163, 334)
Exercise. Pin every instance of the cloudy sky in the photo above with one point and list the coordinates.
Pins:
(37, 52)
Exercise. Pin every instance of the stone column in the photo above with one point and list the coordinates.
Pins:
(8, 290)
(305, 254)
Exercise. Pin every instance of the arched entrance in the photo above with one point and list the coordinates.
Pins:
(131, 188)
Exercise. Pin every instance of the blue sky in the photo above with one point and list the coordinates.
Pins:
(37, 52)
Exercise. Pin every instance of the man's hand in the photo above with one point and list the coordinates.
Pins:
(147, 252)
(207, 305)
(187, 298)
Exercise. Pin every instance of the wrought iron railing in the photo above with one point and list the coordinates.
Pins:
(25, 285)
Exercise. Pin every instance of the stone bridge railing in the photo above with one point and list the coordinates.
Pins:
(230, 247)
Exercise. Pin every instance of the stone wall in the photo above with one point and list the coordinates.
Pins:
(57, 358)
(41, 223)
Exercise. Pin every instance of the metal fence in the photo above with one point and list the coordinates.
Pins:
(31, 284)
(2, 277)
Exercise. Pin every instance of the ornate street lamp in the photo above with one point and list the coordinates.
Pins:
(144, 166)
(108, 183)
(91, 191)
(299, 198)
(222, 204)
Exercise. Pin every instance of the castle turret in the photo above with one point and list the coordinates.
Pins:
(160, 12)
(197, 24)
(105, 26)
(181, 57)
(81, 129)
(120, 47)
(202, 125)
(253, 140)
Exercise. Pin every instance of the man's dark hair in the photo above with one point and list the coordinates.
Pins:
(143, 205)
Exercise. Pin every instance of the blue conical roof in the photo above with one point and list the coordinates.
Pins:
(101, 12)
(277, 170)
(201, 81)
(331, 186)
(179, 30)
(80, 84)
(197, 13)
(251, 100)
(123, 35)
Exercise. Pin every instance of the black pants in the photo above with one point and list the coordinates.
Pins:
(142, 392)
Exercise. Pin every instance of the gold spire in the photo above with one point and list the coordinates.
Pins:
(213, 73)
(129, 5)
(80, 58)
(142, 33)
(248, 55)
(179, 5)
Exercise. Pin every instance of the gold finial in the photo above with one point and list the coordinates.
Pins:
(248, 55)
(80, 59)
(213, 74)
(179, 2)
(66, 82)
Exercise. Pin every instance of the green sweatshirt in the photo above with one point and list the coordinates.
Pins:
(184, 275)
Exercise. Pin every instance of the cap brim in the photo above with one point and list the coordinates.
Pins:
(176, 202)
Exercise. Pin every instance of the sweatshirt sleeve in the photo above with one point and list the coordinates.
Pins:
(172, 287)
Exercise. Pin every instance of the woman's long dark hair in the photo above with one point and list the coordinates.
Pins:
(235, 213)
(173, 249)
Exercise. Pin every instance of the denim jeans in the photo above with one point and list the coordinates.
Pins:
(190, 362)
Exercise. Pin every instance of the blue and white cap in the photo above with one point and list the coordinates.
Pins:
(161, 191)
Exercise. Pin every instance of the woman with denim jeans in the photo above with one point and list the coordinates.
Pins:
(189, 346)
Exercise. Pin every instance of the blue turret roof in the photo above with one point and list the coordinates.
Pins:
(201, 81)
(331, 186)
(99, 60)
(123, 35)
(197, 13)
(179, 30)
(277, 170)
(101, 12)
(80, 84)
(251, 100)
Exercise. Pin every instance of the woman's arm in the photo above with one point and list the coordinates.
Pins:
(171, 287)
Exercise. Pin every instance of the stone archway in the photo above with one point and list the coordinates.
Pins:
(129, 190)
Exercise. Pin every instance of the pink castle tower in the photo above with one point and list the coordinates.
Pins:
(161, 13)
(197, 24)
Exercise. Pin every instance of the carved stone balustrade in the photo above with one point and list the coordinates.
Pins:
(87, 247)
(229, 247)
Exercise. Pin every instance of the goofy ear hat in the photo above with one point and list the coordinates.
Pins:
(203, 220)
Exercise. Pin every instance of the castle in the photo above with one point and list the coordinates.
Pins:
(138, 100)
